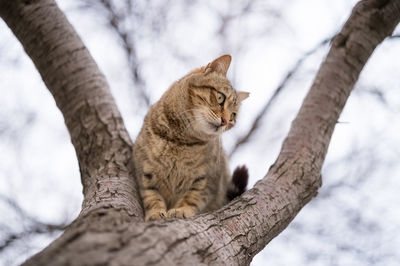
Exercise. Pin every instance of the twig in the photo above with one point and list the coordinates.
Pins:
(277, 91)
(35, 226)
(116, 22)
(395, 36)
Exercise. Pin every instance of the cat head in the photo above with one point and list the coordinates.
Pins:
(213, 101)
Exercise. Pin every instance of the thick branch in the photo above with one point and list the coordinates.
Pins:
(102, 144)
(235, 233)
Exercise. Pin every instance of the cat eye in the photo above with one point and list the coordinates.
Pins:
(220, 98)
(233, 115)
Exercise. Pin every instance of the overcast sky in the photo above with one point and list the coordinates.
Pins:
(355, 220)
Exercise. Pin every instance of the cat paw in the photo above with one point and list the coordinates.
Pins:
(182, 212)
(155, 215)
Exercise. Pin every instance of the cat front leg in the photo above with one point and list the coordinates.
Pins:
(153, 203)
(192, 202)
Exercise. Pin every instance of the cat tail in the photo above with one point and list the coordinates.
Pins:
(238, 183)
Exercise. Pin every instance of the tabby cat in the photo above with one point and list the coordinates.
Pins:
(180, 165)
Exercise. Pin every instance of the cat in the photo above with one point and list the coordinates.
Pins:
(180, 165)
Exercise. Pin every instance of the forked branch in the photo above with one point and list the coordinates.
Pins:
(106, 232)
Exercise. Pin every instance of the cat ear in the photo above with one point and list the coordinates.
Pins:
(242, 95)
(219, 65)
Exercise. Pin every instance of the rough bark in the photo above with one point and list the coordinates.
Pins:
(110, 229)
(81, 92)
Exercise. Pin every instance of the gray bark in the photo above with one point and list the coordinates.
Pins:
(110, 228)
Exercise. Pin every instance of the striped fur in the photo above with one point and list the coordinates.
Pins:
(179, 162)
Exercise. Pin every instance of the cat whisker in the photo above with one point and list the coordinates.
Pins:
(186, 111)
(191, 122)
(182, 114)
(214, 115)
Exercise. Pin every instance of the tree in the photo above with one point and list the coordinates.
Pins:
(110, 227)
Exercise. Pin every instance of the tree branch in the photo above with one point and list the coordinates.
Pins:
(10, 238)
(81, 92)
(234, 234)
(229, 236)
(34, 226)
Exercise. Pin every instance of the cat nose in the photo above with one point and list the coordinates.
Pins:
(223, 121)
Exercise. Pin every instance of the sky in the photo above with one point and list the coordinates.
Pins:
(354, 220)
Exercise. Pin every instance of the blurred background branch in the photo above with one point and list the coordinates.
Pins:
(118, 19)
(276, 49)
(283, 84)
(11, 233)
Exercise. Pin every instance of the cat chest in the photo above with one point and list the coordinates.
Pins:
(183, 171)
(179, 176)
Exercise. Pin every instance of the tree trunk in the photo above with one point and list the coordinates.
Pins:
(110, 228)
